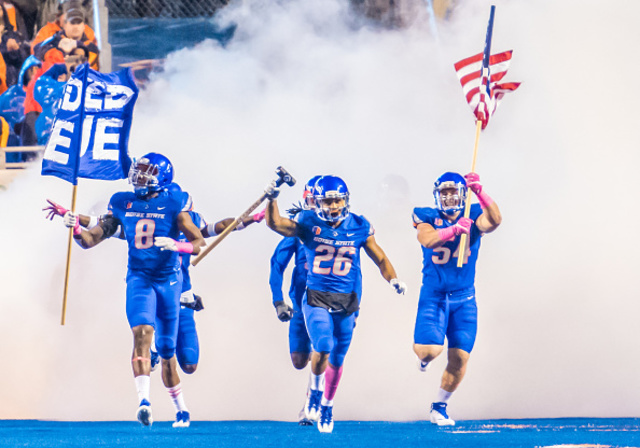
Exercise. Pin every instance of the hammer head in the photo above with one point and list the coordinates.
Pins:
(284, 177)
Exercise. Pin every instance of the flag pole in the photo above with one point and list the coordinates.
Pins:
(484, 90)
(74, 193)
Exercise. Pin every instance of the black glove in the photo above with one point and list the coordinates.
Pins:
(284, 311)
(196, 305)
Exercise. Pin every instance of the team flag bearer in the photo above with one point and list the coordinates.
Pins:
(480, 76)
(90, 134)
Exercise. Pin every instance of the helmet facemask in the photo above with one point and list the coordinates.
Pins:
(332, 206)
(144, 177)
(450, 197)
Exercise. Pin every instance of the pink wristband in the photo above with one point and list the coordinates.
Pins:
(447, 234)
(484, 199)
(76, 229)
(184, 247)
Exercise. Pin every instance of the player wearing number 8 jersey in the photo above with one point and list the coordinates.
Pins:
(447, 306)
(152, 218)
(332, 238)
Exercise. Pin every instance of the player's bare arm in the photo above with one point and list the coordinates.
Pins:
(219, 226)
(279, 224)
(375, 252)
(191, 231)
(490, 219)
(428, 236)
(106, 227)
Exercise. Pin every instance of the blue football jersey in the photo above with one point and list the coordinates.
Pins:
(143, 221)
(286, 249)
(334, 253)
(200, 223)
(439, 266)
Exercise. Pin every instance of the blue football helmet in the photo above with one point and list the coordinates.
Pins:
(151, 173)
(452, 202)
(307, 196)
(331, 196)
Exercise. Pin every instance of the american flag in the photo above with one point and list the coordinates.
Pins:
(475, 78)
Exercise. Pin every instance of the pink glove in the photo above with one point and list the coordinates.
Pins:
(258, 217)
(473, 182)
(54, 210)
(462, 226)
(166, 243)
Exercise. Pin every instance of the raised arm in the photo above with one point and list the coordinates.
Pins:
(279, 224)
(491, 217)
(217, 228)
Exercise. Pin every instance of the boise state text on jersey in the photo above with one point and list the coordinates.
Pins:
(439, 266)
(142, 221)
(334, 253)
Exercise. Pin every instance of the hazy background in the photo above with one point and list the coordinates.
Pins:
(304, 87)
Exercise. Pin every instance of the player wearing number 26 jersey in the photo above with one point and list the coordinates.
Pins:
(332, 238)
(447, 306)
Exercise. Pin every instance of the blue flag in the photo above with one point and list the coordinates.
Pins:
(91, 129)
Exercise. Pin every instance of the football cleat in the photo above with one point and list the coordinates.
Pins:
(422, 366)
(312, 407)
(325, 424)
(302, 418)
(155, 360)
(438, 415)
(183, 420)
(144, 413)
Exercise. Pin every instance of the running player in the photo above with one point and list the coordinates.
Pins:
(187, 345)
(152, 218)
(447, 306)
(332, 238)
(299, 342)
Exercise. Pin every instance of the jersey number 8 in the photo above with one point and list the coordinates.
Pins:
(144, 233)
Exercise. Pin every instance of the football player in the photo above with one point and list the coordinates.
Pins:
(447, 306)
(152, 218)
(289, 247)
(187, 343)
(332, 237)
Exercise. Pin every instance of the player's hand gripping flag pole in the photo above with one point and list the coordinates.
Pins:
(90, 135)
(479, 76)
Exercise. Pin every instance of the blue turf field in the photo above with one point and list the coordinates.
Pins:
(249, 434)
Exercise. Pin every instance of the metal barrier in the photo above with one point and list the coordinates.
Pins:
(4, 165)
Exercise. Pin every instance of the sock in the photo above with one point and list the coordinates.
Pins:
(443, 396)
(177, 398)
(326, 402)
(332, 378)
(143, 384)
(316, 382)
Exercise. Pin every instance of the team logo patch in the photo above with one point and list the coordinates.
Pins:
(129, 204)
(438, 221)
(316, 230)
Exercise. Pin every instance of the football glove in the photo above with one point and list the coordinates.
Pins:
(283, 311)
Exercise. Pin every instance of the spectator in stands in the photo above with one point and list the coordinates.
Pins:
(58, 22)
(23, 15)
(71, 40)
(13, 49)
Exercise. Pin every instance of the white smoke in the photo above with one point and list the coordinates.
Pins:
(303, 86)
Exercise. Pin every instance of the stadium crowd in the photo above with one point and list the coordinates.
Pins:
(35, 63)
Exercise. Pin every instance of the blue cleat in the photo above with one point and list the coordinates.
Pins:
(183, 420)
(312, 407)
(144, 413)
(155, 360)
(325, 424)
(438, 415)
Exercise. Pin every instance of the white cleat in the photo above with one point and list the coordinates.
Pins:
(312, 406)
(325, 424)
(422, 366)
(439, 416)
(144, 413)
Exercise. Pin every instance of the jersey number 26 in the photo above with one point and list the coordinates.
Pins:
(341, 263)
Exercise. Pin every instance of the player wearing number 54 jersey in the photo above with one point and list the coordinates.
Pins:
(447, 306)
(152, 218)
(332, 238)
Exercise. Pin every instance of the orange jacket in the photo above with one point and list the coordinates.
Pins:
(52, 28)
